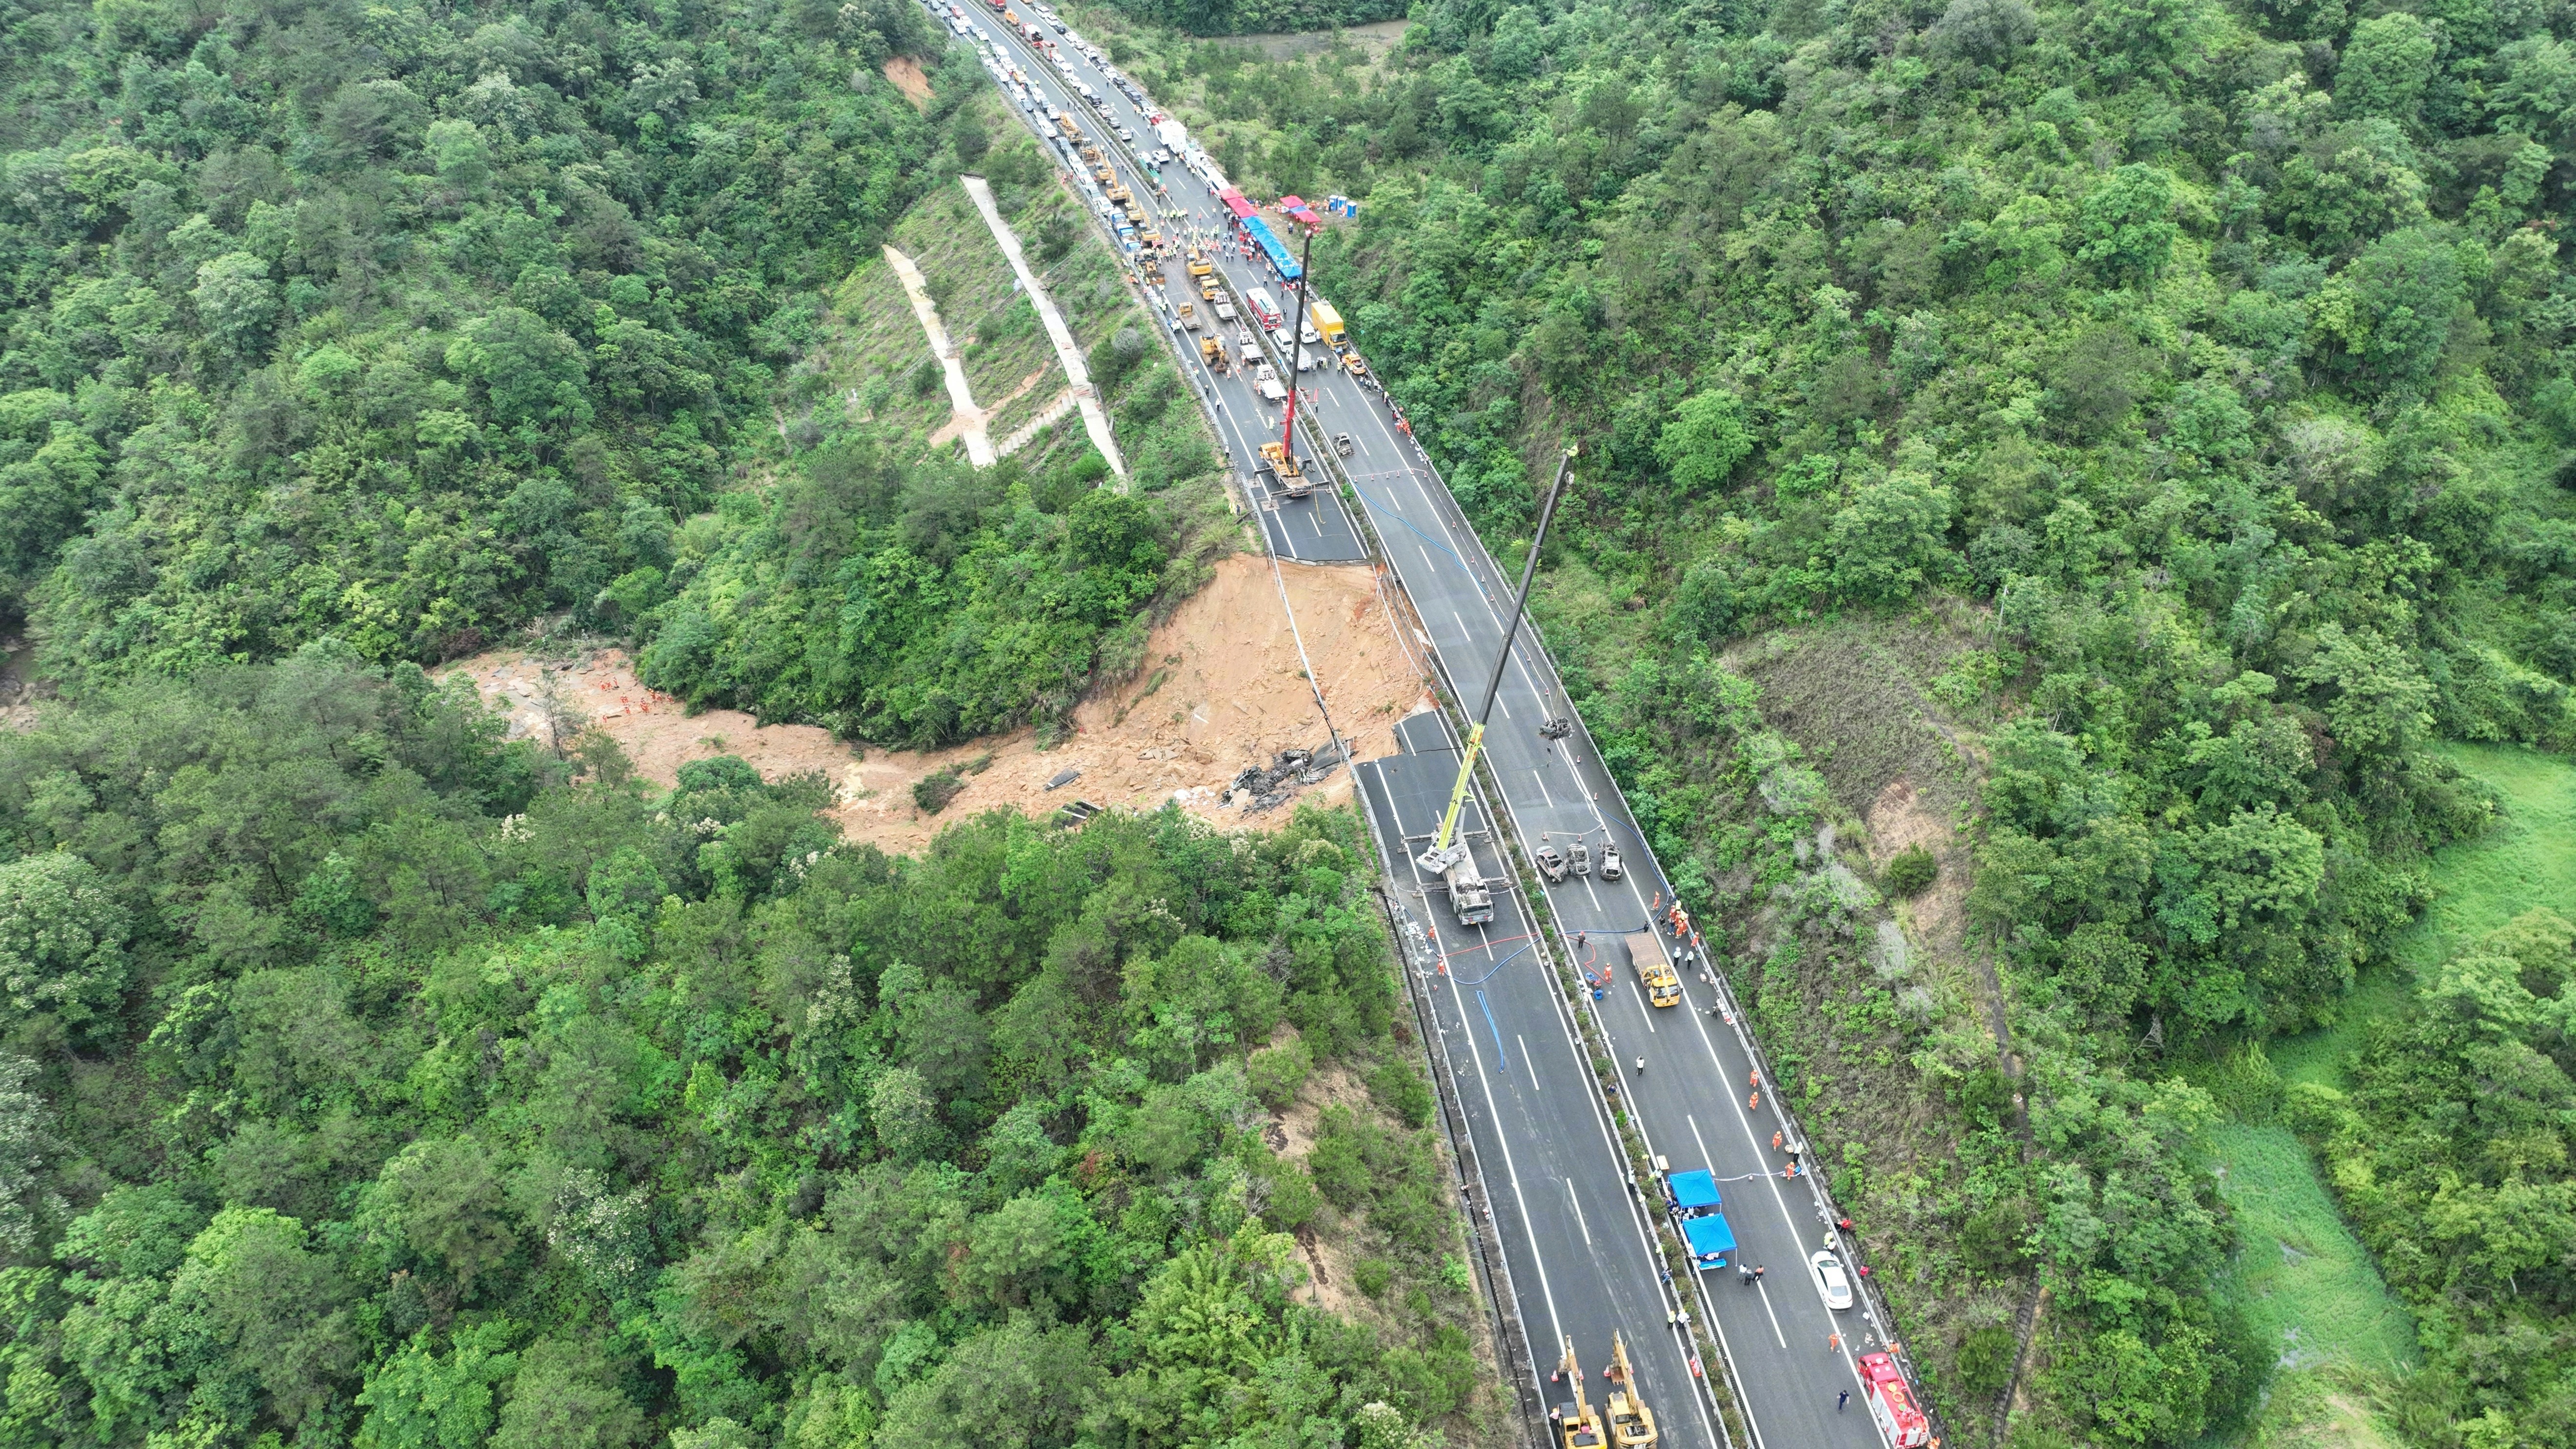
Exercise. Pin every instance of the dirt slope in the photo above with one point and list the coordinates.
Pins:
(1222, 689)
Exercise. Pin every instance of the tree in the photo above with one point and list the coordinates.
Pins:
(280, 1308)
(531, 373)
(236, 301)
(2385, 67)
(62, 946)
(566, 1396)
(420, 1399)
(444, 1198)
(1890, 540)
(1707, 437)
(2128, 225)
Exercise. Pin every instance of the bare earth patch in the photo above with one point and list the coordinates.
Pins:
(1899, 820)
(1221, 689)
(907, 75)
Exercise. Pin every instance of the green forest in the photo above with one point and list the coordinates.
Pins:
(371, 1080)
(2181, 392)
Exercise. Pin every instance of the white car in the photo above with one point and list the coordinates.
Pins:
(1306, 333)
(1830, 1280)
(1126, 135)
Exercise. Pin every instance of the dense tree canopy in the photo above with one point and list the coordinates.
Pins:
(428, 1093)
(402, 324)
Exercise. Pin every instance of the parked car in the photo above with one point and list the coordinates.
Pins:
(1550, 863)
(1612, 867)
(1581, 855)
(1830, 1279)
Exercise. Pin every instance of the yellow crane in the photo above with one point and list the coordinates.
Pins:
(1632, 1424)
(1577, 1427)
(1448, 856)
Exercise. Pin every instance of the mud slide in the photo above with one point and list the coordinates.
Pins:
(1221, 689)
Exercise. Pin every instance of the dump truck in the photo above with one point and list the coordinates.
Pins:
(1577, 1426)
(1286, 470)
(1327, 322)
(1189, 317)
(1632, 1424)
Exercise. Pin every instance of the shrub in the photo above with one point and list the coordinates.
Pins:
(1276, 1073)
(1399, 1088)
(1373, 1275)
(1912, 872)
(1986, 1360)
(933, 792)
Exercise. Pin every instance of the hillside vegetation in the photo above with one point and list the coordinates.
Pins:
(365, 1079)
(2212, 357)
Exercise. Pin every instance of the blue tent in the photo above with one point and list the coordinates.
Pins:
(1693, 1191)
(1710, 1239)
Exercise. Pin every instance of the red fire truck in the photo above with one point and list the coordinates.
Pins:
(1892, 1403)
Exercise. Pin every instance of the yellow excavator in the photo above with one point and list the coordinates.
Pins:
(1632, 1424)
(1577, 1427)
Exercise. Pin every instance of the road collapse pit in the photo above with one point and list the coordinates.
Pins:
(1222, 702)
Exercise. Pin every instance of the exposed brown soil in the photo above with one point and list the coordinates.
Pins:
(906, 73)
(1898, 821)
(1221, 690)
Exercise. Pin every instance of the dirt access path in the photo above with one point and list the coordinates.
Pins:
(1222, 689)
(1067, 353)
(965, 419)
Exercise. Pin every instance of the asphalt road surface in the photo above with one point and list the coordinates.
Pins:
(1578, 1257)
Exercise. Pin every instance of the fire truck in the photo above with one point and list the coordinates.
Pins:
(1892, 1403)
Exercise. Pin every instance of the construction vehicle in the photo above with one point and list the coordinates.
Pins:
(1200, 266)
(1212, 352)
(1103, 174)
(1632, 1424)
(1119, 194)
(1287, 470)
(1577, 1427)
(1207, 292)
(1189, 317)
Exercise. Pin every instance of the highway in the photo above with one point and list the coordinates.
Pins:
(1579, 1260)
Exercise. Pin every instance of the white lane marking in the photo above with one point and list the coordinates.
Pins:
(1764, 1294)
(1578, 1215)
(1485, 1084)
(1542, 790)
(1525, 1061)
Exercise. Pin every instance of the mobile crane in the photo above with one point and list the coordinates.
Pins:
(1448, 856)
(1278, 462)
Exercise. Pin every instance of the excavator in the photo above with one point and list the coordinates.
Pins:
(1632, 1424)
(1577, 1427)
(1278, 462)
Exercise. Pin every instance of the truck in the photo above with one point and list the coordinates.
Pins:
(1189, 317)
(1328, 322)
(1892, 1404)
(1264, 310)
(1200, 266)
(1655, 970)
(1225, 311)
(1266, 383)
